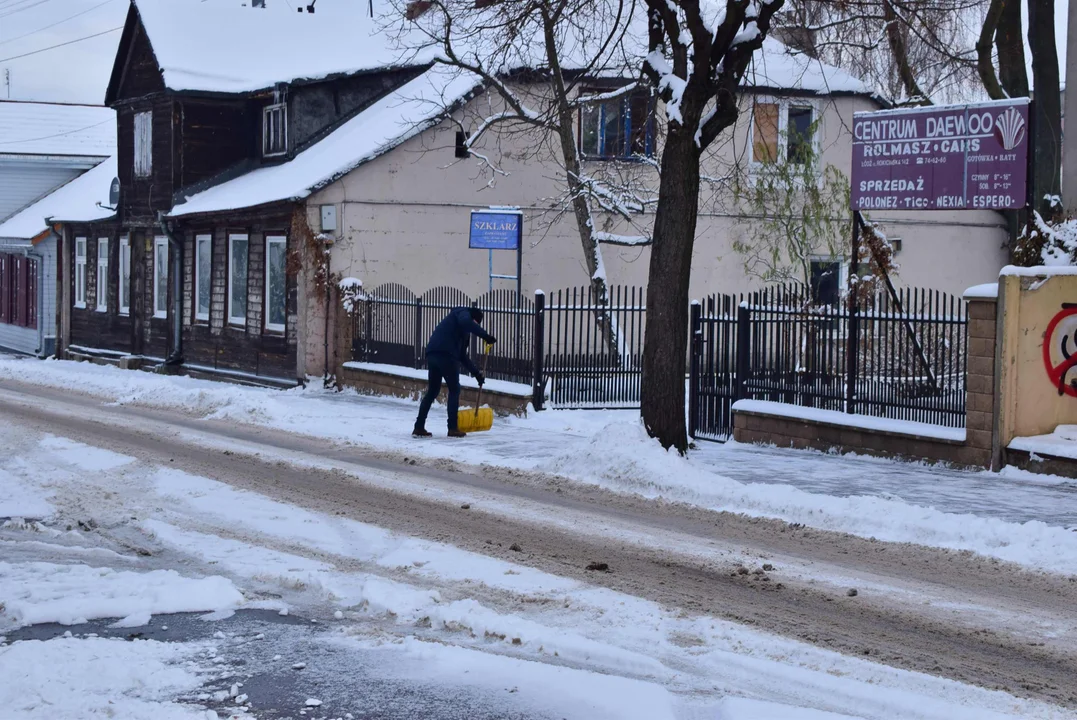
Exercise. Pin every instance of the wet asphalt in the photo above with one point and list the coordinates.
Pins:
(261, 649)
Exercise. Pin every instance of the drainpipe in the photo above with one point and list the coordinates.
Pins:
(176, 357)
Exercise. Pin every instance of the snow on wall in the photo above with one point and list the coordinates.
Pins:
(862, 422)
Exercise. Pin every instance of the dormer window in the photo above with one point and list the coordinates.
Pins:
(275, 130)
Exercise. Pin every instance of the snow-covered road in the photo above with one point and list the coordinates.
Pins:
(324, 529)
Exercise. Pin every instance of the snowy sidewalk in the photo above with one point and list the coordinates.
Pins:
(1011, 516)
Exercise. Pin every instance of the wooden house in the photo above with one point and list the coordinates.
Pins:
(219, 107)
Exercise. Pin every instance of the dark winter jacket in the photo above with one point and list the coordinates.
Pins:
(451, 337)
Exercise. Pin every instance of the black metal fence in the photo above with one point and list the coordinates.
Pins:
(569, 348)
(902, 358)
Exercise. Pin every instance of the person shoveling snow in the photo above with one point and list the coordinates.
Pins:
(445, 353)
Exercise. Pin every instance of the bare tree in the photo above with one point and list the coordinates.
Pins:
(697, 58)
(537, 58)
(916, 51)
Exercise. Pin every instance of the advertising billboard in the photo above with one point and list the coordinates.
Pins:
(949, 157)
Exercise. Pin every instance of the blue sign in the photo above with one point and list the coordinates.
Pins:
(491, 230)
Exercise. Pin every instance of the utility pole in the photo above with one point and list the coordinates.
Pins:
(1069, 112)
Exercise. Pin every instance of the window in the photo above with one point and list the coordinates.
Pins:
(825, 281)
(275, 130)
(18, 290)
(143, 144)
(782, 129)
(619, 128)
(203, 278)
(102, 275)
(765, 132)
(80, 272)
(125, 275)
(799, 135)
(276, 282)
(237, 279)
(160, 277)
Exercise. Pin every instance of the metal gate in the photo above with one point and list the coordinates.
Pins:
(713, 378)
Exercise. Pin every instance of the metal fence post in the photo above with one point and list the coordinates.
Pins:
(369, 328)
(418, 333)
(539, 347)
(853, 340)
(744, 334)
(693, 382)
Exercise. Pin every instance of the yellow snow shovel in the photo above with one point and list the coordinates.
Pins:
(481, 418)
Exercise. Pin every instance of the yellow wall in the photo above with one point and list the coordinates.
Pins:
(1030, 403)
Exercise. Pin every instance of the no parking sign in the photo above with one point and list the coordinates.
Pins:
(1060, 348)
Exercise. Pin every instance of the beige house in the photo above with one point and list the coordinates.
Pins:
(389, 195)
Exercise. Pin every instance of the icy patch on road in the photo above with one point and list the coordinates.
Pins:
(98, 678)
(623, 458)
(38, 592)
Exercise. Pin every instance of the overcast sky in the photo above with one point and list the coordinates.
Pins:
(79, 72)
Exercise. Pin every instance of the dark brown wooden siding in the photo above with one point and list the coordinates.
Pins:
(141, 75)
(143, 198)
(218, 344)
(213, 136)
(89, 327)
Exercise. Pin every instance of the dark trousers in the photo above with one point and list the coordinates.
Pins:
(441, 367)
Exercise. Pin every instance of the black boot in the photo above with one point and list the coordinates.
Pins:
(456, 433)
(419, 431)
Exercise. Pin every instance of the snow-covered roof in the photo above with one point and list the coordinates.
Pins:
(229, 47)
(775, 67)
(37, 128)
(398, 116)
(77, 201)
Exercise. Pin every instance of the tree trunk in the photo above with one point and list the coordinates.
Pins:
(1011, 50)
(895, 35)
(666, 346)
(1047, 122)
(985, 62)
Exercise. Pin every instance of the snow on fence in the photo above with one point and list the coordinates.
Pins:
(902, 358)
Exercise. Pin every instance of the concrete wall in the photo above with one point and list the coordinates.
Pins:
(1031, 401)
(403, 217)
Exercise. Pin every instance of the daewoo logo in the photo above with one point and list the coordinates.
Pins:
(1010, 128)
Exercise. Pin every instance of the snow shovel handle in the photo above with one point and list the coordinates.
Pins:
(485, 361)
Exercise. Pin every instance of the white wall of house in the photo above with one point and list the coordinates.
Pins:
(23, 182)
(39, 340)
(404, 216)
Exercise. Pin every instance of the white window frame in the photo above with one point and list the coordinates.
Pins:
(124, 300)
(783, 103)
(143, 144)
(160, 243)
(80, 272)
(198, 315)
(232, 237)
(283, 241)
(102, 274)
(279, 110)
